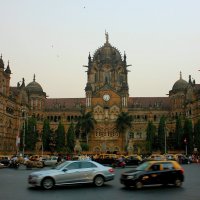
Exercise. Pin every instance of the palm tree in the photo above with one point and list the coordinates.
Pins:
(88, 124)
(124, 123)
(85, 124)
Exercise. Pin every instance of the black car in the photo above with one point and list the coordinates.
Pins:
(133, 160)
(5, 161)
(154, 173)
(106, 159)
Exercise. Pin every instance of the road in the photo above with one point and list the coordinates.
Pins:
(14, 186)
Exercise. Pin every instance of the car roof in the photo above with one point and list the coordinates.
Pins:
(175, 163)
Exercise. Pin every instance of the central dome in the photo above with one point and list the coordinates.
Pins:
(34, 86)
(107, 53)
(180, 84)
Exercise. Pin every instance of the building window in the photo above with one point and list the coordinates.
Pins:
(131, 135)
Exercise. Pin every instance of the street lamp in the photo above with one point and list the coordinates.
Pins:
(165, 141)
(24, 130)
(185, 141)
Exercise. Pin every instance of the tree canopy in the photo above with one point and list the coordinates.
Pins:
(162, 134)
(60, 138)
(123, 124)
(46, 135)
(151, 131)
(71, 138)
(85, 124)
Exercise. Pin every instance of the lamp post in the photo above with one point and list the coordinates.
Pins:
(185, 141)
(165, 141)
(24, 130)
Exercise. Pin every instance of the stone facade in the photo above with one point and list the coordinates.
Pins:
(107, 95)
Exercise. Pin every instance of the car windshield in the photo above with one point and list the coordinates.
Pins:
(60, 166)
(143, 166)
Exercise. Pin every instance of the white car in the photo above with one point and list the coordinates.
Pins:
(72, 172)
(50, 161)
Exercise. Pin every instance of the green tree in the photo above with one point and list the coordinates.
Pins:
(197, 135)
(124, 124)
(151, 130)
(52, 141)
(71, 138)
(46, 135)
(60, 138)
(84, 147)
(188, 135)
(85, 124)
(31, 136)
(78, 128)
(179, 133)
(161, 134)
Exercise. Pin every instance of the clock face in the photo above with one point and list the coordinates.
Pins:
(106, 97)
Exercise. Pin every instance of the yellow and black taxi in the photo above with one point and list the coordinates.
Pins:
(154, 173)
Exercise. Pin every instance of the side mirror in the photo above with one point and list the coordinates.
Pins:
(64, 170)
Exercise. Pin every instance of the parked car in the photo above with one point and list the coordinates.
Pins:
(50, 161)
(133, 160)
(5, 160)
(72, 172)
(154, 172)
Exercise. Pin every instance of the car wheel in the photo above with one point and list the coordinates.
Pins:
(139, 185)
(98, 181)
(48, 183)
(178, 183)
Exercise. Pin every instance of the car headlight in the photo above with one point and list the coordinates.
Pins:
(130, 177)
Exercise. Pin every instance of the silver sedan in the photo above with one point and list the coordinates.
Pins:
(72, 172)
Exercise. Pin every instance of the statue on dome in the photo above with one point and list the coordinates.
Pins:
(107, 36)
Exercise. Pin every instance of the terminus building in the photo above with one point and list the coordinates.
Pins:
(106, 96)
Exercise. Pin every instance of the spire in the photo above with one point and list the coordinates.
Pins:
(124, 56)
(8, 71)
(190, 81)
(1, 62)
(89, 60)
(23, 82)
(180, 75)
(89, 57)
(34, 78)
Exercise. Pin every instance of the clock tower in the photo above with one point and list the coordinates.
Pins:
(107, 95)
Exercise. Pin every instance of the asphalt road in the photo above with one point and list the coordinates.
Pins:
(14, 186)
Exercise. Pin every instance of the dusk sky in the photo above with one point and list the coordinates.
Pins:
(52, 39)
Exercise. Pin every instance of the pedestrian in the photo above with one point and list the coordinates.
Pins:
(59, 159)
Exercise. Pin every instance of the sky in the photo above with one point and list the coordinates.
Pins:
(52, 39)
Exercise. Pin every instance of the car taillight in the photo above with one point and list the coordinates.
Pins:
(111, 170)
